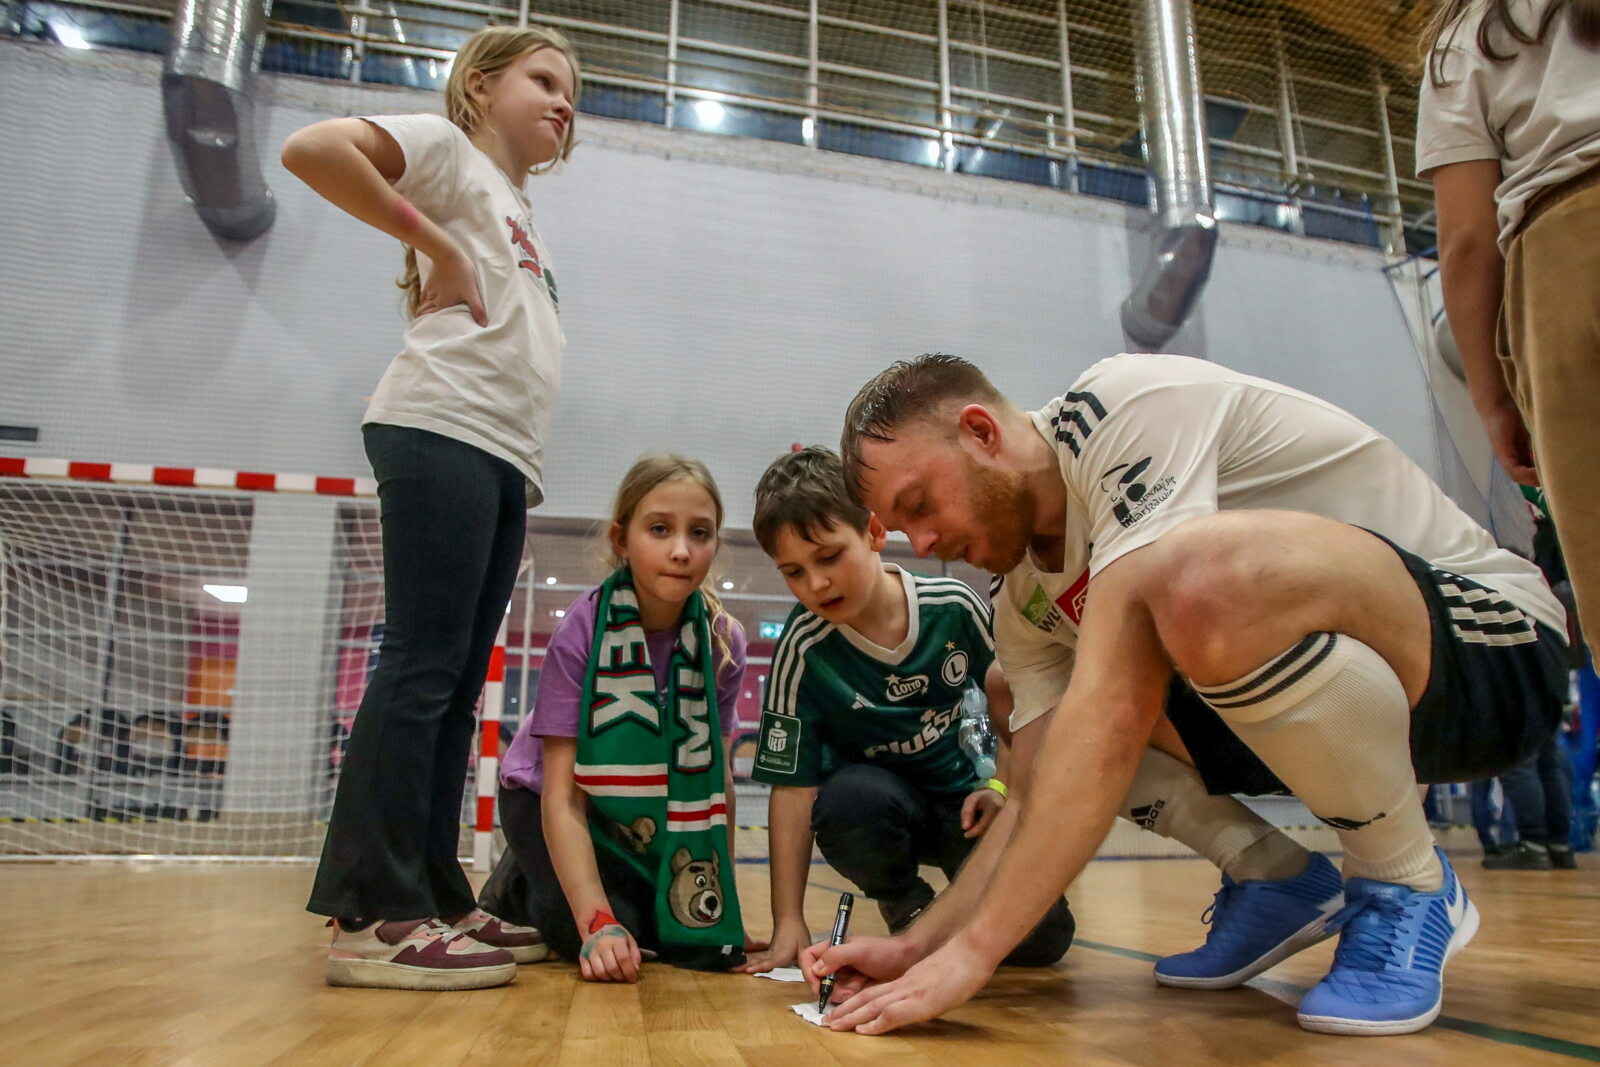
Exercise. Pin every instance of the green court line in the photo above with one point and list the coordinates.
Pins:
(1479, 891)
(1501, 1034)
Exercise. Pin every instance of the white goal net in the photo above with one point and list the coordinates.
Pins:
(179, 667)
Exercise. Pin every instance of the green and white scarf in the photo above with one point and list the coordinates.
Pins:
(653, 765)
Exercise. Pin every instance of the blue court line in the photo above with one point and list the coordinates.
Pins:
(1488, 1032)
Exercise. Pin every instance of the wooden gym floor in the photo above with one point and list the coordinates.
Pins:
(188, 963)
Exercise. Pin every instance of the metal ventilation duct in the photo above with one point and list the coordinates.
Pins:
(208, 86)
(1173, 116)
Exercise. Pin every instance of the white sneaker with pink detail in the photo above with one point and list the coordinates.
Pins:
(427, 955)
(525, 943)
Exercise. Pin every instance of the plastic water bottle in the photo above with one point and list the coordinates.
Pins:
(977, 736)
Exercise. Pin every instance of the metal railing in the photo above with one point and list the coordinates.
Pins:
(1042, 93)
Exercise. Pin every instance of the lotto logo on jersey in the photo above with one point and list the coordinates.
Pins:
(898, 688)
(779, 751)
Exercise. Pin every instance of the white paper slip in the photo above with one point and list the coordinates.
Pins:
(808, 1011)
(783, 974)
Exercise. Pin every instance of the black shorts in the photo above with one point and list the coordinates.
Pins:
(1494, 695)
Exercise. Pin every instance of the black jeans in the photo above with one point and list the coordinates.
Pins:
(525, 889)
(454, 519)
(1540, 792)
(876, 828)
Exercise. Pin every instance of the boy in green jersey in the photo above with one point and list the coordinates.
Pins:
(860, 724)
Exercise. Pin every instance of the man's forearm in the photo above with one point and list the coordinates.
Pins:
(957, 903)
(1067, 813)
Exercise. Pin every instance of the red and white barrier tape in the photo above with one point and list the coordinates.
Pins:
(183, 477)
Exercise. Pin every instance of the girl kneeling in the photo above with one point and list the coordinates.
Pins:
(616, 795)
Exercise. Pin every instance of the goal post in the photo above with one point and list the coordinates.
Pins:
(182, 652)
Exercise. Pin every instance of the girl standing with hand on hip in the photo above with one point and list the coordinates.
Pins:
(455, 433)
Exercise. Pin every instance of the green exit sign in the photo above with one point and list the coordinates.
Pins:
(771, 631)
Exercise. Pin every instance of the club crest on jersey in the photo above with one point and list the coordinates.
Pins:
(954, 671)
(898, 688)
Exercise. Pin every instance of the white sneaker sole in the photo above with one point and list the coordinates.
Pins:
(1328, 1024)
(530, 953)
(1310, 934)
(381, 974)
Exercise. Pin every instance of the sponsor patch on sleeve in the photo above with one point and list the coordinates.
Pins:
(779, 751)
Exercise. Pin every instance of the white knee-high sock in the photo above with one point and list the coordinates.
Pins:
(1168, 799)
(1331, 719)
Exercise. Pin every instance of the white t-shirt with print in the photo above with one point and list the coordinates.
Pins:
(1538, 112)
(493, 387)
(1146, 442)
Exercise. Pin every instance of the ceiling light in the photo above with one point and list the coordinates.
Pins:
(709, 112)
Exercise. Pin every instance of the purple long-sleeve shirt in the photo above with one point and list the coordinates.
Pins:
(560, 696)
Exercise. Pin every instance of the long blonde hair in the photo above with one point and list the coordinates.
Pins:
(490, 51)
(649, 471)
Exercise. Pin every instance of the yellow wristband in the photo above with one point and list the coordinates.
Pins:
(997, 785)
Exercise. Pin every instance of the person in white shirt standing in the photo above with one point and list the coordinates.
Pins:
(1336, 627)
(1508, 131)
(455, 432)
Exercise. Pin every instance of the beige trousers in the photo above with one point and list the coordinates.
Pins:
(1550, 339)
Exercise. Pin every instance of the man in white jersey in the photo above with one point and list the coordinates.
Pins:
(1340, 629)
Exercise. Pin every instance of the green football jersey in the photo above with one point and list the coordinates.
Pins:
(835, 697)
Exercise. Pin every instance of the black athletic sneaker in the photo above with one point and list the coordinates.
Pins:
(903, 911)
(1562, 859)
(1523, 856)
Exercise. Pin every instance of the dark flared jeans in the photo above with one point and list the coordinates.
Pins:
(454, 518)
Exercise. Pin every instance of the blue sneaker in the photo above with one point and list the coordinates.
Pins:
(1388, 972)
(1256, 925)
